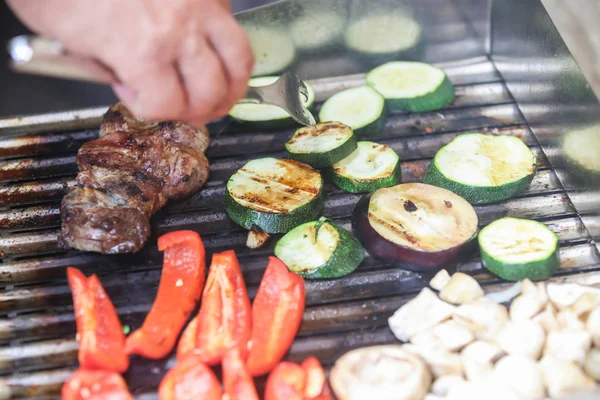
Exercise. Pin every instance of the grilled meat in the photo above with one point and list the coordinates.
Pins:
(126, 176)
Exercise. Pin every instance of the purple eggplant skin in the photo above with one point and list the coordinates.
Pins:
(401, 256)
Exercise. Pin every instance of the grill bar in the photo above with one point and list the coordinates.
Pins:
(37, 346)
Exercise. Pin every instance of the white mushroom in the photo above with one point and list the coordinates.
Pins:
(421, 313)
(562, 295)
(593, 326)
(442, 385)
(524, 338)
(440, 280)
(568, 346)
(522, 375)
(484, 317)
(530, 302)
(547, 318)
(380, 372)
(584, 305)
(591, 365)
(461, 289)
(478, 359)
(562, 377)
(567, 321)
(488, 388)
(451, 335)
(440, 361)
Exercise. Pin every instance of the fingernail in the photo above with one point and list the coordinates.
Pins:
(127, 96)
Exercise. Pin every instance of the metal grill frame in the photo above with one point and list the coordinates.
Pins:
(38, 350)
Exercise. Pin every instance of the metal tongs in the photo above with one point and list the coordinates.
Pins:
(38, 55)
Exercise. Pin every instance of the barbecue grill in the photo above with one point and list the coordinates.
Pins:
(513, 75)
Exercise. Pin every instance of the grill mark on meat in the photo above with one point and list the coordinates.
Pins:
(126, 176)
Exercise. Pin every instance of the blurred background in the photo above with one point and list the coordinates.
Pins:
(22, 94)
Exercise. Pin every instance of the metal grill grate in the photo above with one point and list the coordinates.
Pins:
(38, 350)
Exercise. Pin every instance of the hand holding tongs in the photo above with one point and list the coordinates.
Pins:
(42, 56)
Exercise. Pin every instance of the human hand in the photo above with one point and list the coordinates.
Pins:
(185, 60)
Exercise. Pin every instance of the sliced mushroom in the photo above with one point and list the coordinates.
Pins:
(562, 377)
(567, 321)
(442, 385)
(524, 338)
(562, 295)
(547, 318)
(593, 326)
(530, 302)
(568, 346)
(440, 361)
(440, 280)
(380, 372)
(522, 375)
(591, 365)
(461, 289)
(488, 388)
(421, 313)
(451, 335)
(478, 359)
(484, 317)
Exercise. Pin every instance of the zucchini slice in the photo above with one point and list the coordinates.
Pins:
(320, 249)
(415, 226)
(266, 115)
(273, 49)
(362, 108)
(382, 37)
(581, 149)
(275, 195)
(371, 166)
(483, 168)
(322, 146)
(412, 86)
(517, 249)
(317, 31)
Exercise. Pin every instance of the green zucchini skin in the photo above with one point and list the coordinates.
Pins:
(535, 271)
(346, 257)
(431, 101)
(272, 222)
(373, 128)
(477, 194)
(357, 186)
(328, 158)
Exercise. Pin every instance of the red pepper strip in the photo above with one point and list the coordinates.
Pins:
(237, 381)
(225, 316)
(95, 385)
(187, 341)
(190, 379)
(316, 383)
(277, 314)
(179, 289)
(292, 381)
(101, 338)
(286, 382)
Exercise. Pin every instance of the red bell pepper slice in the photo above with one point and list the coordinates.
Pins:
(190, 379)
(95, 385)
(292, 381)
(100, 335)
(179, 290)
(316, 387)
(276, 316)
(237, 381)
(187, 341)
(225, 316)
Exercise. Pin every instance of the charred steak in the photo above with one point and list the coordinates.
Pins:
(126, 176)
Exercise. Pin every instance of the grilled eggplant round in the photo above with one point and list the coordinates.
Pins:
(415, 226)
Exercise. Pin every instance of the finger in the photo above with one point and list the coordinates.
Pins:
(205, 82)
(235, 53)
(158, 93)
